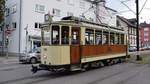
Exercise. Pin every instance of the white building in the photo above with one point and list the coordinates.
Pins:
(22, 14)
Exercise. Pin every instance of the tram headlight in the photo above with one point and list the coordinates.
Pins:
(45, 56)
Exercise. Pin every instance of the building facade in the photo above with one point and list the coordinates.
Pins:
(130, 28)
(145, 35)
(26, 16)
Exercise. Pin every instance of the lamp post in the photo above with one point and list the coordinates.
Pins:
(137, 30)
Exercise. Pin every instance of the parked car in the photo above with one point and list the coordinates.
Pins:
(30, 57)
(132, 49)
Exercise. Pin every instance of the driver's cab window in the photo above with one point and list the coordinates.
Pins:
(55, 34)
(65, 35)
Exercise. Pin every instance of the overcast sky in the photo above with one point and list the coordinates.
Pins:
(117, 5)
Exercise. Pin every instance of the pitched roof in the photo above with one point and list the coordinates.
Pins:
(129, 22)
(144, 24)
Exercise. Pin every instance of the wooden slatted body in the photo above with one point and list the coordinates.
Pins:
(94, 50)
(84, 51)
(75, 55)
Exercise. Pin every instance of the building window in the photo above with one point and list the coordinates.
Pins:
(7, 11)
(14, 9)
(39, 8)
(71, 2)
(145, 39)
(56, 12)
(82, 4)
(146, 33)
(146, 29)
(118, 23)
(14, 25)
(69, 14)
(37, 25)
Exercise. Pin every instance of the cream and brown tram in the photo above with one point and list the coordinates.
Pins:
(77, 45)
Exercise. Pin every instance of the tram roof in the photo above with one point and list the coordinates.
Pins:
(70, 20)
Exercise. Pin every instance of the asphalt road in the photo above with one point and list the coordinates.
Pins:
(125, 73)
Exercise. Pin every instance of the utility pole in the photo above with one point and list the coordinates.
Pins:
(26, 29)
(137, 30)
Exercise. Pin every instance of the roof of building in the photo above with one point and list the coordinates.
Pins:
(144, 24)
(110, 9)
(129, 22)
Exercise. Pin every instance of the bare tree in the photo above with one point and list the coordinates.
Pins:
(2, 10)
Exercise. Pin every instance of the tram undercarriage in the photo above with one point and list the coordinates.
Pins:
(79, 67)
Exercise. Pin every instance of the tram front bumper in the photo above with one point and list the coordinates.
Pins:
(38, 67)
(55, 68)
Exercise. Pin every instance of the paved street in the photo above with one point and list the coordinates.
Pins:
(125, 73)
(11, 72)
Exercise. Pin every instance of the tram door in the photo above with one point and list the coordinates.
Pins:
(75, 46)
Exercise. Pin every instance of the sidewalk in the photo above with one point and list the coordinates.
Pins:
(140, 52)
(9, 60)
(145, 55)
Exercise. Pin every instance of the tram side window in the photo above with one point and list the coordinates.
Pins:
(89, 36)
(112, 38)
(75, 36)
(117, 39)
(122, 38)
(105, 38)
(65, 35)
(55, 34)
(98, 37)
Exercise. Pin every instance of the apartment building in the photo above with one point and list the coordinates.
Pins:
(130, 27)
(145, 35)
(26, 16)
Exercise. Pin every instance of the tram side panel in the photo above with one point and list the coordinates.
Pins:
(55, 55)
(101, 52)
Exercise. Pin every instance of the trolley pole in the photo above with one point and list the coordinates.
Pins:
(137, 30)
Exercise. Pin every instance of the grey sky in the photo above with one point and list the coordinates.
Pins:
(117, 5)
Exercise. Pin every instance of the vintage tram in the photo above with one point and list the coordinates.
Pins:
(75, 44)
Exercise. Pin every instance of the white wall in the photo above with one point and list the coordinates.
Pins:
(13, 17)
(29, 16)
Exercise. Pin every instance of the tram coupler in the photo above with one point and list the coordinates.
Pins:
(35, 68)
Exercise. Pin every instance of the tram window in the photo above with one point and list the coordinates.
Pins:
(65, 35)
(105, 38)
(122, 38)
(75, 37)
(117, 39)
(112, 38)
(98, 37)
(46, 38)
(55, 34)
(89, 36)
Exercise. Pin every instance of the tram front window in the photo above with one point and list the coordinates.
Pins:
(55, 34)
(65, 35)
(45, 37)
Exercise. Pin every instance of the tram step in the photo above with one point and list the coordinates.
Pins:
(75, 67)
